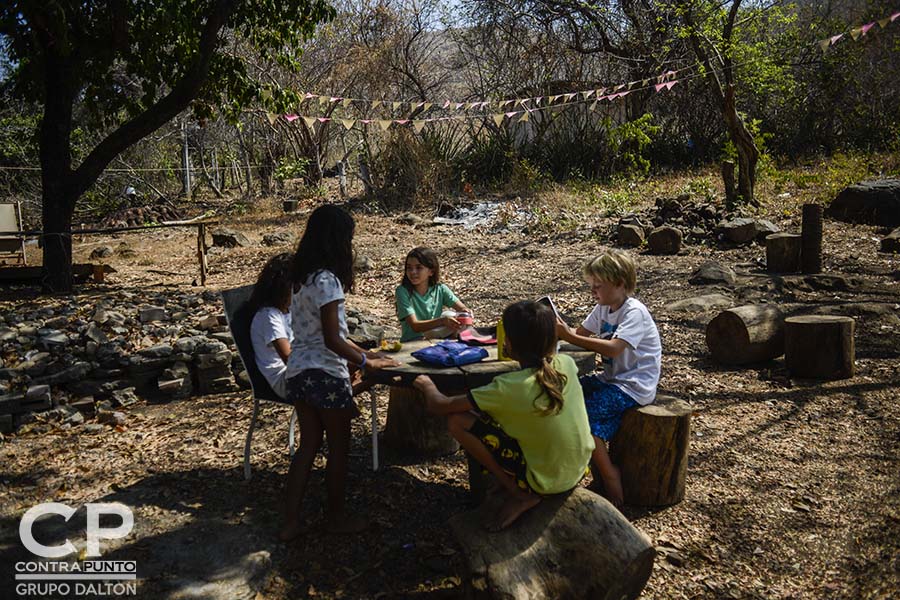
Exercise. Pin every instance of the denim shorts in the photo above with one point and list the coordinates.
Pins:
(319, 389)
(605, 404)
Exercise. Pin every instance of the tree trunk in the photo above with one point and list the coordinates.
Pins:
(651, 451)
(574, 545)
(819, 346)
(411, 428)
(748, 155)
(811, 239)
(58, 195)
(746, 334)
(783, 253)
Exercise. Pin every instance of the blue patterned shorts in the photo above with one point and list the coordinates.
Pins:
(319, 389)
(605, 404)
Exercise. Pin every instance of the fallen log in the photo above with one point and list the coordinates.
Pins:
(746, 334)
(574, 545)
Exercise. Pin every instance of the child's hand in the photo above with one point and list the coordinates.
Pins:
(423, 383)
(374, 364)
(451, 323)
(563, 331)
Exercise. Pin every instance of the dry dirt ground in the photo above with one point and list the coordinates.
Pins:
(793, 486)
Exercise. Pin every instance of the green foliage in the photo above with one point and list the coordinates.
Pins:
(630, 141)
(292, 168)
(701, 188)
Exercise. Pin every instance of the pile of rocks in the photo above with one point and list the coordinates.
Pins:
(671, 221)
(84, 361)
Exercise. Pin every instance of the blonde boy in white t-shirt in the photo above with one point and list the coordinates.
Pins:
(622, 331)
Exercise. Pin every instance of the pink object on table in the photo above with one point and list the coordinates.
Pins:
(473, 338)
(465, 318)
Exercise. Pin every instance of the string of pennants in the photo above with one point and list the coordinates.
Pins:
(857, 32)
(522, 108)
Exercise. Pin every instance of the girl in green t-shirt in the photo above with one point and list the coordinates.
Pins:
(422, 298)
(529, 428)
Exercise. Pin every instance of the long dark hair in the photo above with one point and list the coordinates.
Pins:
(531, 330)
(429, 260)
(273, 286)
(327, 243)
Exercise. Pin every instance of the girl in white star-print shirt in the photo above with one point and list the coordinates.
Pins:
(318, 378)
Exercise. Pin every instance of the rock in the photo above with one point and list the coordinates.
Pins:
(51, 338)
(7, 424)
(891, 243)
(176, 388)
(630, 235)
(93, 428)
(101, 252)
(664, 240)
(85, 406)
(228, 238)
(109, 417)
(8, 334)
(153, 313)
(217, 359)
(158, 351)
(745, 230)
(208, 322)
(872, 202)
(223, 336)
(367, 335)
(243, 380)
(95, 334)
(712, 272)
(37, 398)
(75, 419)
(363, 263)
(76, 372)
(410, 219)
(701, 303)
(125, 397)
(282, 238)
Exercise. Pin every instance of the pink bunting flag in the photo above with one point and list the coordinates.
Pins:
(401, 121)
(671, 84)
(510, 115)
(365, 121)
(323, 119)
(835, 38)
(618, 87)
(865, 28)
(569, 97)
(659, 86)
(446, 104)
(895, 16)
(459, 105)
(623, 94)
(290, 118)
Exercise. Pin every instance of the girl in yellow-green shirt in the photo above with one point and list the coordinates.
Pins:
(531, 429)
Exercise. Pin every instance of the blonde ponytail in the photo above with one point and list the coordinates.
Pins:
(552, 382)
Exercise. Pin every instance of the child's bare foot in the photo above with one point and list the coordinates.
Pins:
(292, 529)
(512, 509)
(612, 487)
(344, 523)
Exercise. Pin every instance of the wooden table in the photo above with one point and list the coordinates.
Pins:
(410, 428)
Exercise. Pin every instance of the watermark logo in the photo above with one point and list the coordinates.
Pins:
(82, 577)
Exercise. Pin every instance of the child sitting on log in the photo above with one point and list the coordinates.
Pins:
(528, 428)
(628, 341)
(421, 299)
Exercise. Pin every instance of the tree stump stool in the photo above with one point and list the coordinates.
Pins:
(819, 346)
(746, 334)
(411, 428)
(651, 451)
(574, 545)
(783, 253)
